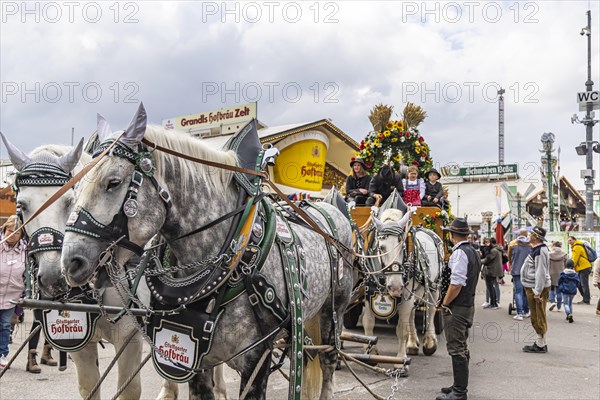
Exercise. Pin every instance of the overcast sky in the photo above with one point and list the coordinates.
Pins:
(62, 62)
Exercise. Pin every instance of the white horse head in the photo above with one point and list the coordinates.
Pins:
(104, 193)
(39, 175)
(389, 231)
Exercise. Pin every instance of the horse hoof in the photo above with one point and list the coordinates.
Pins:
(413, 351)
(429, 351)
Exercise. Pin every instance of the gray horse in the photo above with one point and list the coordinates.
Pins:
(199, 195)
(41, 173)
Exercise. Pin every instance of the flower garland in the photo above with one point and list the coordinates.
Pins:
(397, 145)
(429, 221)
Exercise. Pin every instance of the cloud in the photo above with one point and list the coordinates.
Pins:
(301, 62)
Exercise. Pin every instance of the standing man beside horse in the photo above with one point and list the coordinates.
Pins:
(459, 307)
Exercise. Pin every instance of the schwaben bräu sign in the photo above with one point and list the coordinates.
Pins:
(488, 170)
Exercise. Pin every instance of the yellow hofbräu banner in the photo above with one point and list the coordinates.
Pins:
(301, 162)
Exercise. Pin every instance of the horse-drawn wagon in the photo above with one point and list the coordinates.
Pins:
(429, 217)
(402, 259)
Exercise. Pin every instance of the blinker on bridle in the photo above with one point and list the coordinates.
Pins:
(83, 222)
(395, 267)
(41, 174)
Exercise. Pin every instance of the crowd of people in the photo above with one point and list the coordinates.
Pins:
(544, 277)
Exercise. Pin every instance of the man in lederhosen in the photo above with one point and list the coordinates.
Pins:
(459, 307)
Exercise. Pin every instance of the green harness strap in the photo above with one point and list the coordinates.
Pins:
(291, 256)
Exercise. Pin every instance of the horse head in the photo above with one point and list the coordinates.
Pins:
(39, 175)
(127, 196)
(390, 237)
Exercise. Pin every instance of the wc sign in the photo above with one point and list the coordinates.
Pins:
(588, 97)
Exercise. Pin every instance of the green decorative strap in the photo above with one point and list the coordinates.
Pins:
(291, 272)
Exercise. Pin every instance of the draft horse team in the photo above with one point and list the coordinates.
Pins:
(222, 272)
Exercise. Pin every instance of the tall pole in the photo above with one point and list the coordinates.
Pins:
(547, 149)
(550, 190)
(559, 193)
(501, 126)
(589, 124)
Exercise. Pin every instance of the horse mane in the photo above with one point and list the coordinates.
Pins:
(217, 179)
(56, 150)
(392, 215)
(49, 152)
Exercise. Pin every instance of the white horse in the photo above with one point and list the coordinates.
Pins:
(199, 195)
(32, 193)
(408, 272)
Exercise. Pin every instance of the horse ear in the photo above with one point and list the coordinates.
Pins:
(17, 157)
(68, 161)
(137, 127)
(378, 223)
(103, 128)
(404, 220)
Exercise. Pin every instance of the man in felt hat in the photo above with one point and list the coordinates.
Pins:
(434, 192)
(458, 307)
(535, 276)
(357, 183)
(383, 184)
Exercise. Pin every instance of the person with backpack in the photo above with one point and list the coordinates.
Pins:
(557, 264)
(583, 267)
(567, 285)
(518, 250)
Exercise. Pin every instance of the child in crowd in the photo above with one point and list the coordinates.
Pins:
(567, 285)
(434, 192)
(414, 187)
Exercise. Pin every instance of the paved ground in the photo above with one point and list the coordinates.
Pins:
(499, 369)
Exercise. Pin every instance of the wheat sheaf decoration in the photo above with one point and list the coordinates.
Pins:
(395, 141)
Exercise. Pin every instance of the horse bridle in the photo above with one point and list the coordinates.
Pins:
(396, 266)
(83, 222)
(45, 238)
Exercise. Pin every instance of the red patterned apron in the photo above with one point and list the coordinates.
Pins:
(412, 193)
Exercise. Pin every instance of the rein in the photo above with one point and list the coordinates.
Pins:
(339, 246)
(204, 227)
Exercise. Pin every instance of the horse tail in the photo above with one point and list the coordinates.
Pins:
(312, 381)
